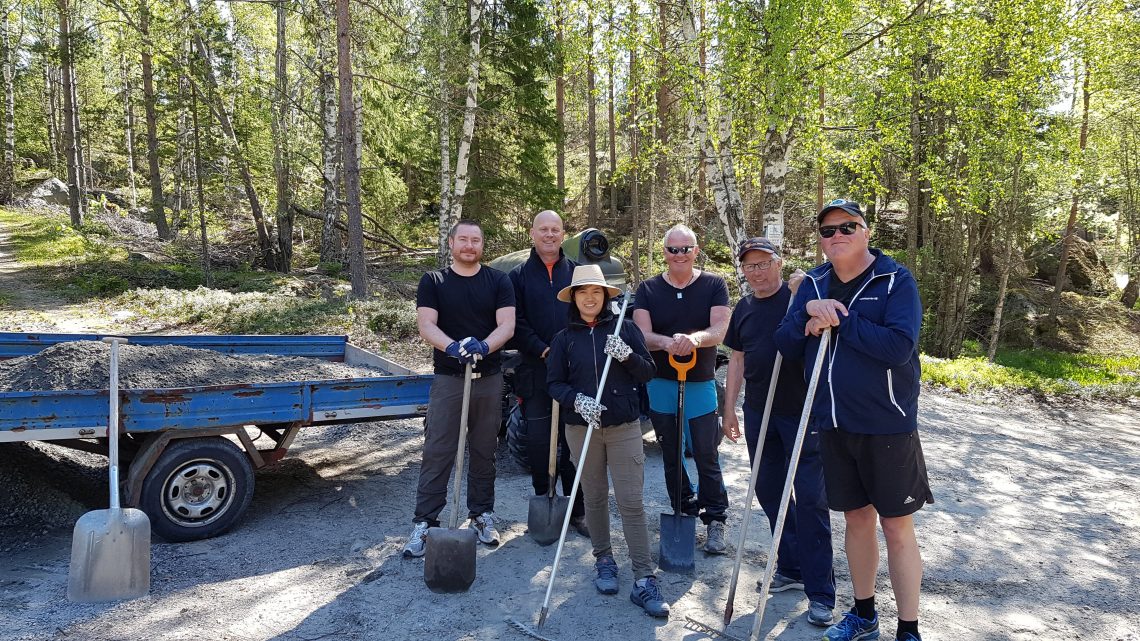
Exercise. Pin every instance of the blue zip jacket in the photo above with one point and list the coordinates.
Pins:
(539, 315)
(870, 378)
(577, 358)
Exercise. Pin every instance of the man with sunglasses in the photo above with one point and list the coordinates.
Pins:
(866, 407)
(684, 312)
(805, 558)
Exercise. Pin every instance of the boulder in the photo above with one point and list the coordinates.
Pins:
(1086, 271)
(52, 191)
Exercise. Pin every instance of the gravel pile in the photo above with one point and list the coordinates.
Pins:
(85, 365)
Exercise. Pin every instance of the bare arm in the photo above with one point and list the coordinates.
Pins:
(505, 328)
(684, 344)
(644, 322)
(733, 381)
(427, 321)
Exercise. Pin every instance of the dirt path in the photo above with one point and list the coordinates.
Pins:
(1033, 536)
(27, 307)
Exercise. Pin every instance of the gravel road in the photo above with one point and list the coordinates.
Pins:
(1033, 536)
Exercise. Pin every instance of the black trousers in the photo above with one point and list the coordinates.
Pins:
(530, 385)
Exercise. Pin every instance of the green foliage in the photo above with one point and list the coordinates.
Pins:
(395, 320)
(1040, 372)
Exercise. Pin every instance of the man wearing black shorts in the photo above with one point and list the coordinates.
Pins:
(467, 313)
(682, 311)
(804, 561)
(867, 407)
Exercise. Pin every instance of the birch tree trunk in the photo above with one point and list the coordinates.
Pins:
(74, 200)
(560, 100)
(332, 249)
(777, 163)
(463, 155)
(198, 187)
(1067, 241)
(357, 268)
(157, 202)
(7, 61)
(129, 127)
(281, 148)
(1006, 265)
(635, 103)
(443, 254)
(591, 124)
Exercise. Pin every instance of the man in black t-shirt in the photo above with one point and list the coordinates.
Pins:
(467, 313)
(804, 561)
(683, 312)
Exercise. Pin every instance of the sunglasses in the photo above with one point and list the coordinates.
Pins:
(684, 249)
(827, 231)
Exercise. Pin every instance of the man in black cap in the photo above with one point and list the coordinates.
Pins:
(866, 408)
(804, 561)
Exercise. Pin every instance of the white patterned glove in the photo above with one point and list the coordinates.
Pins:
(617, 348)
(589, 409)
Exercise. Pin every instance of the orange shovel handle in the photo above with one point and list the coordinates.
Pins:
(683, 367)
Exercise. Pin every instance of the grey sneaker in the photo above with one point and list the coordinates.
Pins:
(484, 526)
(417, 541)
(781, 583)
(819, 614)
(607, 581)
(714, 539)
(647, 594)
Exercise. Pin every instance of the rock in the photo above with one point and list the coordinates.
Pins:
(1086, 271)
(52, 191)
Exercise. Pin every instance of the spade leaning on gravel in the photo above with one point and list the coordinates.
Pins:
(577, 358)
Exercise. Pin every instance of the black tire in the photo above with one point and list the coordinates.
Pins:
(199, 488)
(516, 436)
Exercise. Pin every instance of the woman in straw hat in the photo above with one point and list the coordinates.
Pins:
(577, 358)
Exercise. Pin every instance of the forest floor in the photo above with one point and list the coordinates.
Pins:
(1033, 535)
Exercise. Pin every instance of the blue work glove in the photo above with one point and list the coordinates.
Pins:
(473, 348)
(453, 350)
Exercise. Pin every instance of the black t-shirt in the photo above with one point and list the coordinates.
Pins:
(845, 292)
(686, 311)
(754, 322)
(466, 306)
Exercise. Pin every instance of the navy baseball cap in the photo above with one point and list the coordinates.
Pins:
(760, 244)
(850, 206)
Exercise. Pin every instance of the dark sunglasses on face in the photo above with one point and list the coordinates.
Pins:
(848, 228)
(684, 249)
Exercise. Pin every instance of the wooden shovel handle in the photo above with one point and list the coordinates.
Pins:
(683, 367)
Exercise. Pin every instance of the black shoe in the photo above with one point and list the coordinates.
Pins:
(579, 525)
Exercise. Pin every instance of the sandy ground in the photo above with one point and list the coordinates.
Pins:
(1033, 536)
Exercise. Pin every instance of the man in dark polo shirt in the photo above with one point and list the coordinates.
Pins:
(682, 311)
(804, 561)
(539, 315)
(467, 313)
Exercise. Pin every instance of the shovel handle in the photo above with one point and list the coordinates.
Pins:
(683, 367)
(463, 414)
(552, 466)
(113, 417)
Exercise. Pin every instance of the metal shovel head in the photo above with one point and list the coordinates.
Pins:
(545, 517)
(449, 562)
(678, 540)
(110, 556)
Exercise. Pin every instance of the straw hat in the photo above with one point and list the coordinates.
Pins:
(587, 275)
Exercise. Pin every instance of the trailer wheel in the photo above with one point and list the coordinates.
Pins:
(198, 488)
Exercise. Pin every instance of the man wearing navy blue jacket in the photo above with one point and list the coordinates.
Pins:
(866, 408)
(539, 315)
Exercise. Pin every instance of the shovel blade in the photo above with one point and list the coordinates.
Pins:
(678, 540)
(449, 561)
(545, 517)
(110, 556)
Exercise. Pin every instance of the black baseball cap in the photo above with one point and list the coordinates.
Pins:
(850, 206)
(759, 243)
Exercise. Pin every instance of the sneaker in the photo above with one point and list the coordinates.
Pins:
(714, 539)
(781, 583)
(417, 541)
(646, 594)
(909, 636)
(607, 581)
(484, 526)
(819, 614)
(579, 525)
(853, 628)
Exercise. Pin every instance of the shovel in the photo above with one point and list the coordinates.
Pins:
(678, 530)
(110, 549)
(546, 513)
(449, 563)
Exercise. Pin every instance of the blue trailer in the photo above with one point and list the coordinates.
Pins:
(190, 461)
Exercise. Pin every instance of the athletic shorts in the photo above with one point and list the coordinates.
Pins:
(883, 470)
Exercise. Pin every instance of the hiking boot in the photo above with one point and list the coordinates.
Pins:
(579, 525)
(607, 581)
(853, 628)
(714, 538)
(782, 583)
(414, 548)
(646, 594)
(484, 526)
(819, 614)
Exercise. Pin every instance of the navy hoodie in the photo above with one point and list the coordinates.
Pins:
(539, 315)
(869, 381)
(577, 359)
